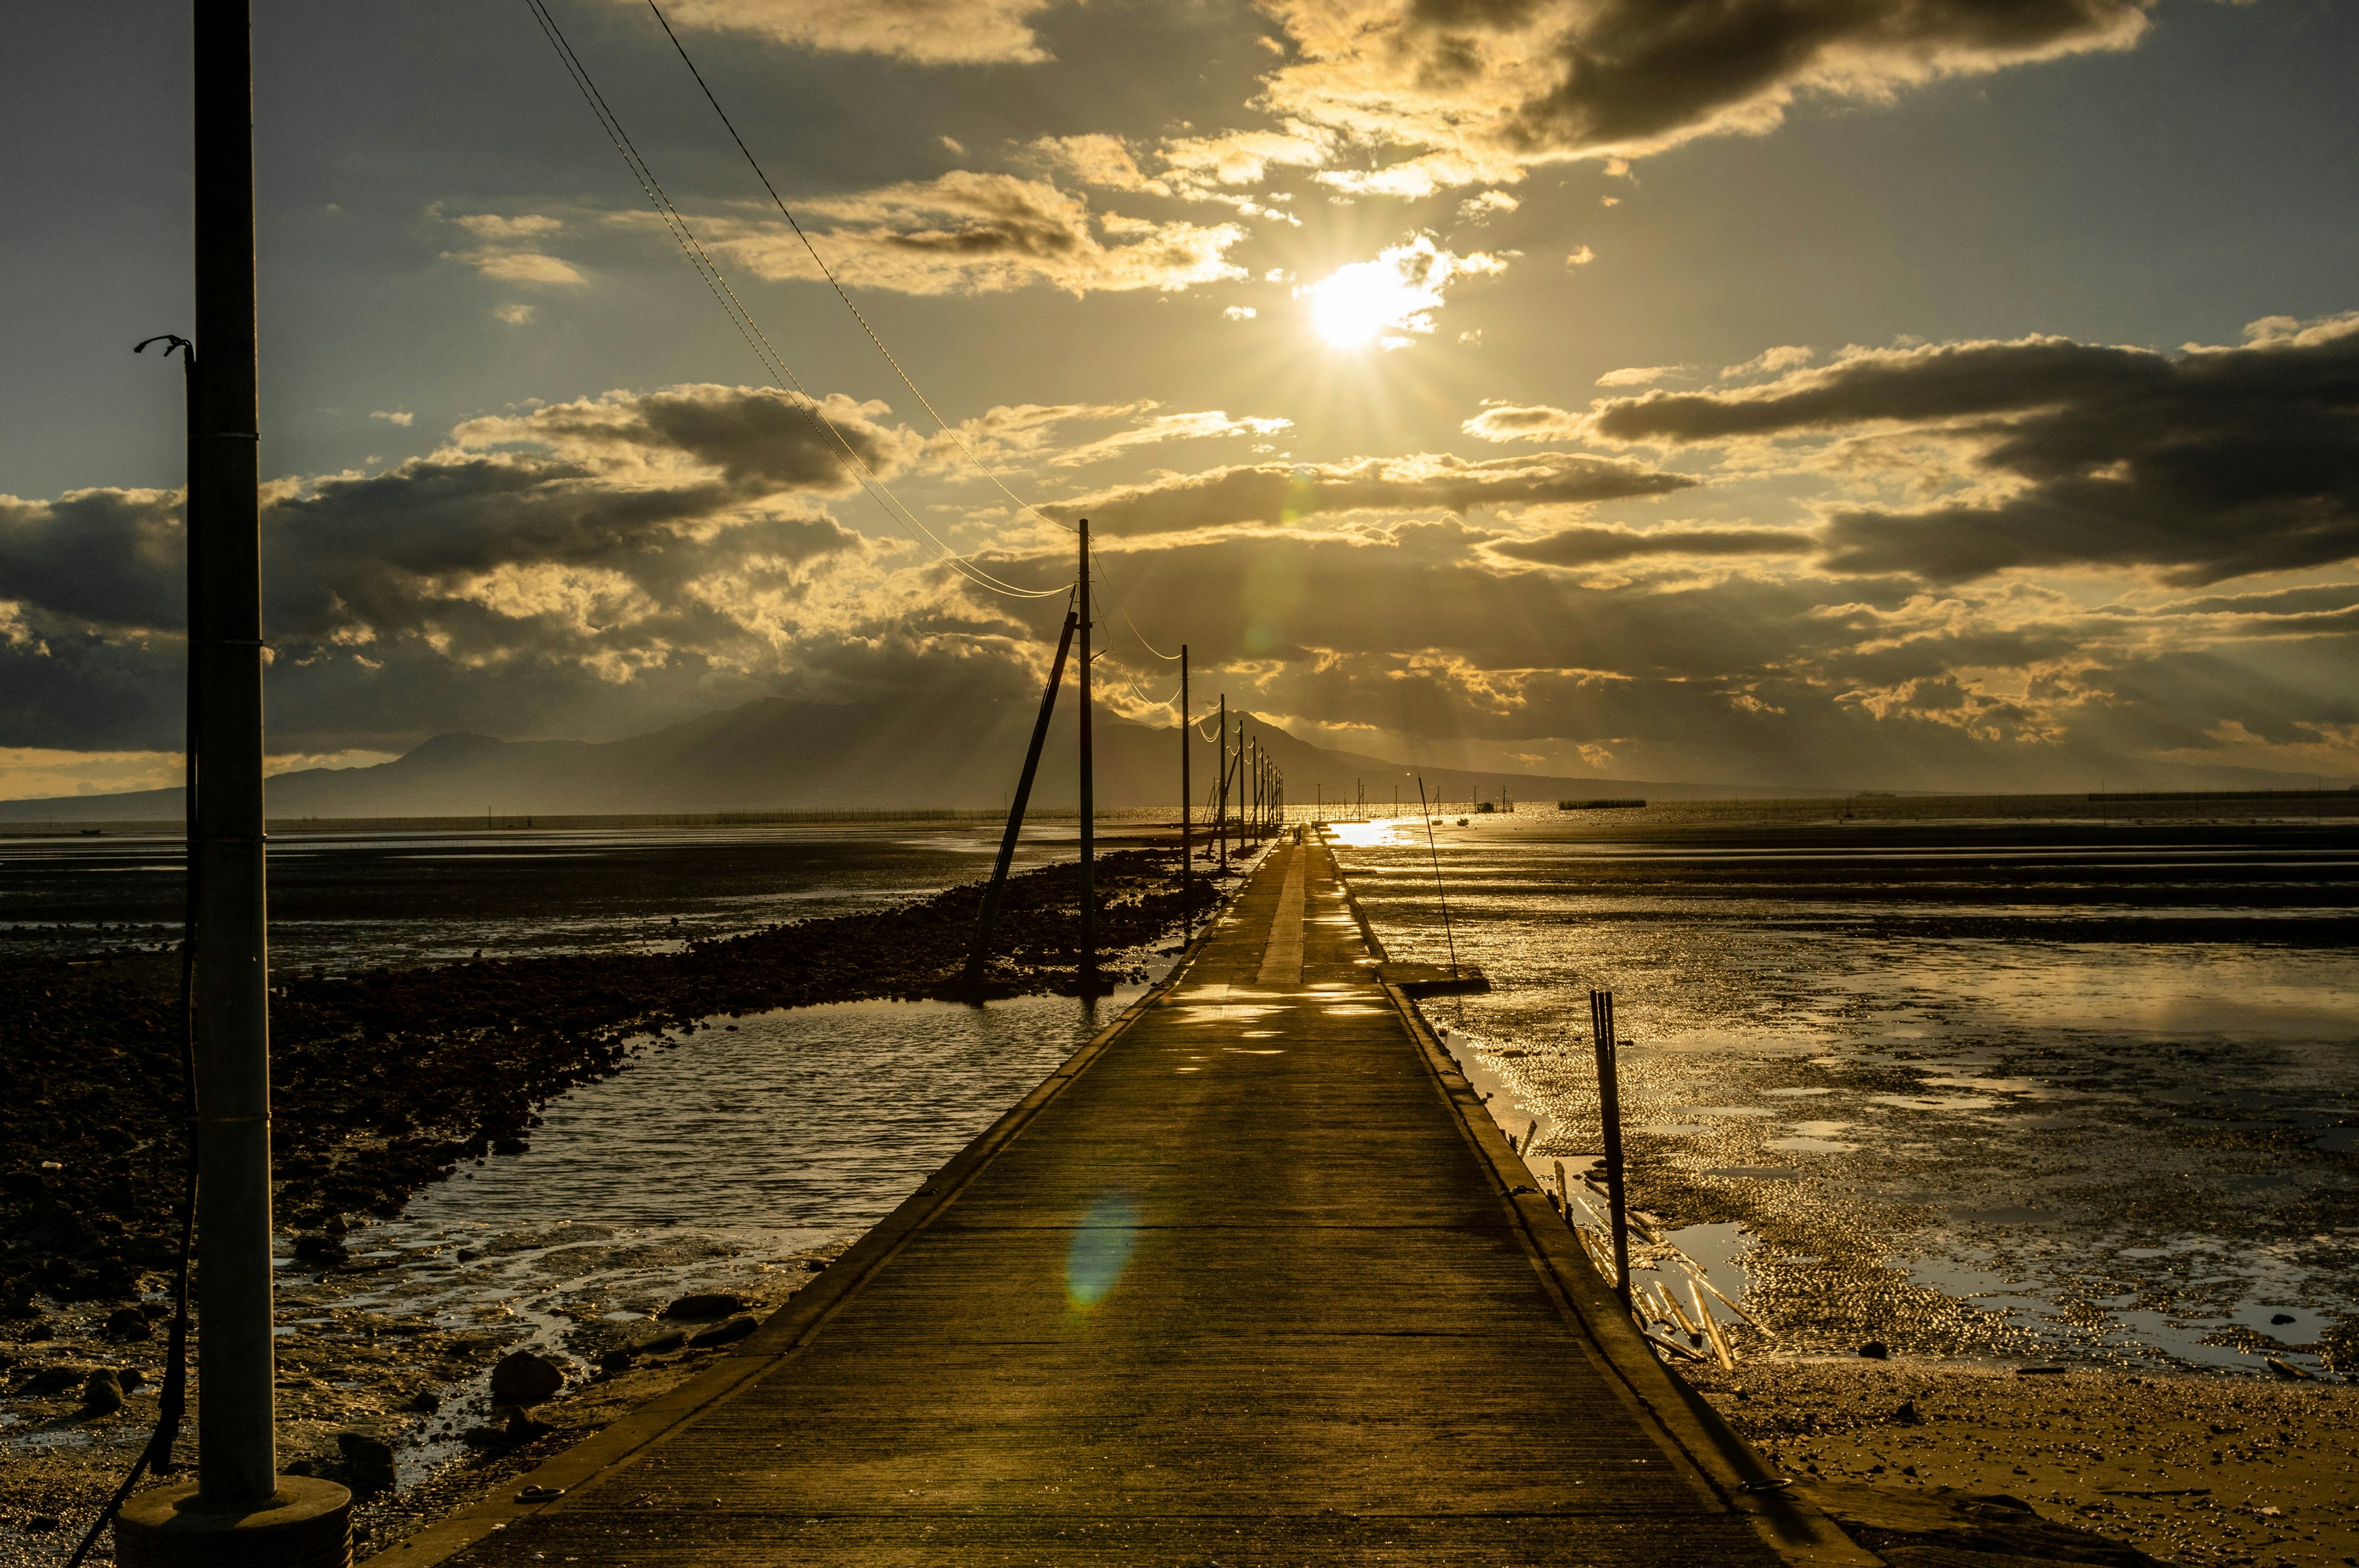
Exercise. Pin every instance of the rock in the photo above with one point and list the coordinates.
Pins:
(2281, 1319)
(53, 1380)
(102, 1394)
(425, 1402)
(128, 1324)
(658, 1344)
(727, 1333)
(521, 1378)
(1875, 1350)
(368, 1463)
(1907, 1416)
(131, 1377)
(711, 1304)
(322, 1249)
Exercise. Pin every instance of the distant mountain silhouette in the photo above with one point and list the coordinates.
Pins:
(775, 755)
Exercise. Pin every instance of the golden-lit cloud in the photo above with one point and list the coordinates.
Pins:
(1383, 301)
(965, 233)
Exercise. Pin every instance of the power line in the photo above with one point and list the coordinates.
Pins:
(780, 374)
(829, 273)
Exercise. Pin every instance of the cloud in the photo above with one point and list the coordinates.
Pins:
(964, 232)
(1379, 301)
(514, 314)
(1282, 495)
(520, 266)
(1240, 312)
(490, 226)
(1581, 257)
(1168, 427)
(2216, 464)
(1638, 375)
(1483, 208)
(1478, 91)
(650, 546)
(401, 417)
(928, 32)
(1516, 422)
(1768, 362)
(1587, 546)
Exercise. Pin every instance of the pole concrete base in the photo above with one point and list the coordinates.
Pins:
(307, 1523)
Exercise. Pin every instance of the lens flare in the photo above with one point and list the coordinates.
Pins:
(1101, 1248)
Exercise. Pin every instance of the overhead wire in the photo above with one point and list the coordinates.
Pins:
(772, 361)
(829, 273)
(1115, 600)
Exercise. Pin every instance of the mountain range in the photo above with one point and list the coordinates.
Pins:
(777, 755)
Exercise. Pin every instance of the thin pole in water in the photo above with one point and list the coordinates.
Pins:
(1439, 891)
(1221, 814)
(1187, 846)
(1609, 1112)
(1089, 791)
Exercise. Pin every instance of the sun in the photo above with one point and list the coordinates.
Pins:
(1370, 302)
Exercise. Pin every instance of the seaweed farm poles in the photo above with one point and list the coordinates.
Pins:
(1221, 813)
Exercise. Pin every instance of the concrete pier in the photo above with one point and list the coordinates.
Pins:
(1252, 1279)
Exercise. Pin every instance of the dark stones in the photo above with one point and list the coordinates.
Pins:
(659, 1343)
(101, 1393)
(128, 1324)
(324, 1251)
(711, 1304)
(52, 1381)
(1875, 1350)
(727, 1333)
(425, 1402)
(368, 1463)
(521, 1378)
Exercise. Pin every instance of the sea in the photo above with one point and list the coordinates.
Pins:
(2011, 1080)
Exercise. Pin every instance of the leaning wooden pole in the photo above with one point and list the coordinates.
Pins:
(1609, 1112)
(1089, 791)
(981, 952)
(1187, 838)
(1221, 813)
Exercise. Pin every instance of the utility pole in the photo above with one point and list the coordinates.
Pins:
(1089, 793)
(1221, 814)
(239, 1506)
(1187, 846)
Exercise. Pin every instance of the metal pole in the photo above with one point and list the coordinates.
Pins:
(1609, 1112)
(1187, 844)
(237, 1464)
(1221, 817)
(1089, 792)
(991, 895)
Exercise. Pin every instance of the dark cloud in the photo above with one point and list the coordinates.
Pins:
(2211, 464)
(1483, 87)
(1282, 494)
(1595, 546)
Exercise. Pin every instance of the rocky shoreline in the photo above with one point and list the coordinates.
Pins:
(386, 1079)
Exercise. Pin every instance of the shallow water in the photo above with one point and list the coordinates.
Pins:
(717, 1162)
(2045, 1091)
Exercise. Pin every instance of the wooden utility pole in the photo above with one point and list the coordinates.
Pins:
(1089, 792)
(239, 1505)
(1187, 844)
(991, 895)
(1221, 814)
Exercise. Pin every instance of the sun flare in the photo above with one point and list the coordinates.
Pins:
(1370, 302)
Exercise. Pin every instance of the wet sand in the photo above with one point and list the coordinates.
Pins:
(2189, 1468)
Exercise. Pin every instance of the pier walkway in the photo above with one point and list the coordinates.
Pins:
(1252, 1279)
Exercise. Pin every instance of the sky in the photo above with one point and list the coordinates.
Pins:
(1832, 394)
